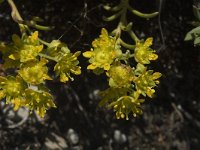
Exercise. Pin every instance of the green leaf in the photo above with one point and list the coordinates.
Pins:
(144, 15)
(196, 12)
(197, 41)
(195, 23)
(195, 30)
(188, 37)
(192, 34)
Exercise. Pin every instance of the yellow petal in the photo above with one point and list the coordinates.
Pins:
(104, 32)
(156, 75)
(88, 54)
(77, 53)
(63, 78)
(12, 56)
(39, 48)
(76, 71)
(150, 92)
(153, 57)
(148, 42)
(157, 82)
(92, 66)
(95, 43)
(46, 77)
(34, 36)
(122, 116)
(41, 112)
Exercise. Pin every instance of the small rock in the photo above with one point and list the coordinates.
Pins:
(55, 142)
(119, 137)
(72, 136)
(23, 112)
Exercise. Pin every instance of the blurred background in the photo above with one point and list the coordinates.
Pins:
(171, 121)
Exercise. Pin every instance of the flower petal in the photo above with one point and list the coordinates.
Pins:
(148, 42)
(92, 66)
(88, 54)
(153, 57)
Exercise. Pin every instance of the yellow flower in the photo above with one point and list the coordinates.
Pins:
(123, 100)
(39, 101)
(22, 50)
(143, 53)
(17, 92)
(34, 72)
(104, 51)
(11, 87)
(66, 65)
(33, 38)
(26, 49)
(120, 75)
(126, 105)
(29, 52)
(146, 82)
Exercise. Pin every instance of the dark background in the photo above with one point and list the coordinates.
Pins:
(170, 121)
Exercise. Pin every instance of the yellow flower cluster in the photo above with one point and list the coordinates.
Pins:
(39, 101)
(21, 50)
(29, 57)
(127, 83)
(11, 87)
(17, 92)
(127, 104)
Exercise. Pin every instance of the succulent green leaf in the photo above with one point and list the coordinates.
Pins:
(144, 15)
(196, 12)
(188, 36)
(197, 41)
(113, 17)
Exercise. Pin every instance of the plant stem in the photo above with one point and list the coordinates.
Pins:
(48, 57)
(123, 24)
(133, 35)
(128, 46)
(15, 13)
(16, 16)
(44, 42)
